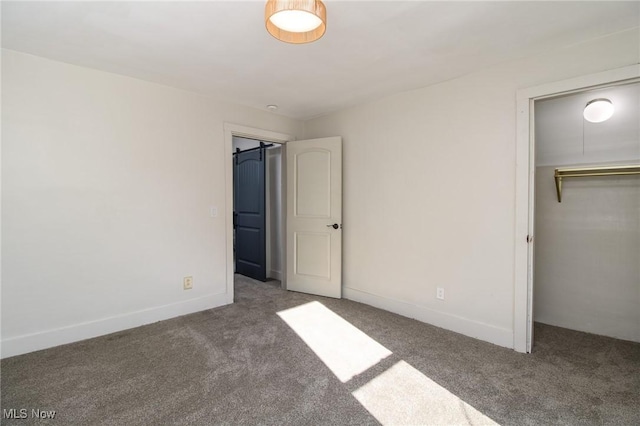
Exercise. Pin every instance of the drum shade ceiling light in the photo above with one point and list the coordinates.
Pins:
(296, 21)
(598, 110)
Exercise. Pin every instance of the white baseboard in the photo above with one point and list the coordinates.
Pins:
(489, 333)
(276, 275)
(74, 333)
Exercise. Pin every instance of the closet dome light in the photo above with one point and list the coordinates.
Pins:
(598, 110)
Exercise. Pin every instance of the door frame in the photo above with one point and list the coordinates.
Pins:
(525, 190)
(231, 130)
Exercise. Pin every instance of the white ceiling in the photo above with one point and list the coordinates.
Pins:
(370, 49)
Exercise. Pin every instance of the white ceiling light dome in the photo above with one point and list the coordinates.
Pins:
(598, 110)
(295, 21)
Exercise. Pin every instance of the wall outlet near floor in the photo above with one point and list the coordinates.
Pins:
(187, 283)
(440, 293)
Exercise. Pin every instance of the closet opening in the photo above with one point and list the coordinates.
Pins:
(586, 273)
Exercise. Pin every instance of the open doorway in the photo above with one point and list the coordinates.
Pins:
(525, 238)
(258, 217)
(587, 212)
(232, 130)
(311, 193)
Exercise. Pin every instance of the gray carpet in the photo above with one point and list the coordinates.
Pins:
(242, 364)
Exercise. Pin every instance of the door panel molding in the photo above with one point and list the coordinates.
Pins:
(323, 242)
(315, 181)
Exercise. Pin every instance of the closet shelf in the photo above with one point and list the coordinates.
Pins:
(632, 169)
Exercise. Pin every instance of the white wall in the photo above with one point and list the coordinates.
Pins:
(429, 190)
(587, 274)
(106, 187)
(275, 218)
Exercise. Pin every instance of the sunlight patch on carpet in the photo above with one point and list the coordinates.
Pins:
(345, 349)
(403, 395)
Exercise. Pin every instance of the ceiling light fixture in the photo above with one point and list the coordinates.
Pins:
(296, 21)
(598, 110)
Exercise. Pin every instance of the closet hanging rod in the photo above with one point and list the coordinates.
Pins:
(631, 169)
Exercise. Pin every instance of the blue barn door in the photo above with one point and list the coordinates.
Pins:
(249, 212)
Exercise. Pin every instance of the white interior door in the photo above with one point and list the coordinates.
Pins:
(314, 216)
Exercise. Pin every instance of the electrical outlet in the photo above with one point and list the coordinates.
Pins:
(187, 283)
(440, 293)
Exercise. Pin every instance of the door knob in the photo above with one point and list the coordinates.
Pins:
(334, 226)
